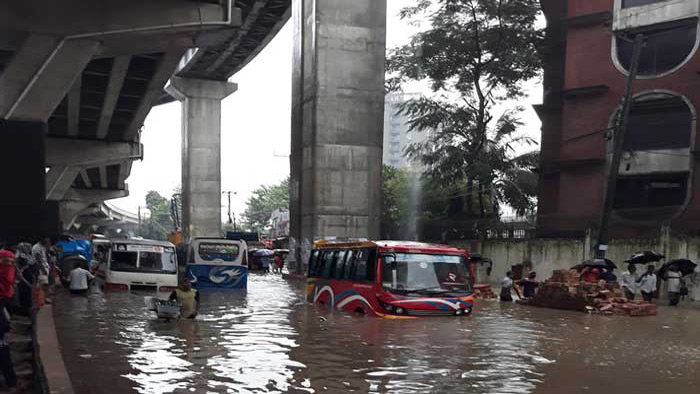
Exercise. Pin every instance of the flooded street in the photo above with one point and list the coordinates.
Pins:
(268, 340)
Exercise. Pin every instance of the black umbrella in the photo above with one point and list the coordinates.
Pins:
(685, 266)
(645, 257)
(595, 263)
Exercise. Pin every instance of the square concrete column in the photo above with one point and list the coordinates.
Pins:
(201, 153)
(337, 120)
(23, 210)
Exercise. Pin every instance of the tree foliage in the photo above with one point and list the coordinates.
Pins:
(159, 223)
(475, 56)
(262, 203)
(395, 201)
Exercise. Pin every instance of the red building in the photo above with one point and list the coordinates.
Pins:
(588, 55)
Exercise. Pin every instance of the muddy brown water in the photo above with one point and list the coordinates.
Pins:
(267, 340)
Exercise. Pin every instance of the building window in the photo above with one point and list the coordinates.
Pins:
(665, 48)
(653, 183)
(637, 3)
(651, 191)
(660, 121)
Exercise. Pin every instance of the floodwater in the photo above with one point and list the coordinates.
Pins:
(269, 341)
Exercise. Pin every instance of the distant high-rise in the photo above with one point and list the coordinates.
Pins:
(396, 135)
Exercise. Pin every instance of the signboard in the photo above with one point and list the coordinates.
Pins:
(138, 248)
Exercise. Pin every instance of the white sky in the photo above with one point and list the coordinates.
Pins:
(255, 125)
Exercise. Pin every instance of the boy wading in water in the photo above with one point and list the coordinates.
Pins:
(188, 299)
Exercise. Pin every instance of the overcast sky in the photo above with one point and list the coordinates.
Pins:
(255, 125)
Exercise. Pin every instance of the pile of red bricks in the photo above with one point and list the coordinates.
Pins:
(565, 291)
(621, 306)
(484, 292)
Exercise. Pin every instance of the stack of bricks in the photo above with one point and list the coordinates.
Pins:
(484, 292)
(565, 291)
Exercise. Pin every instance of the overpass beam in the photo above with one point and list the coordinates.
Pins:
(337, 120)
(201, 152)
(84, 153)
(40, 74)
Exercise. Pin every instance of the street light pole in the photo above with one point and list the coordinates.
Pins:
(231, 219)
(619, 132)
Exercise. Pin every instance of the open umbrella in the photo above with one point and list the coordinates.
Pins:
(685, 266)
(263, 253)
(595, 263)
(645, 257)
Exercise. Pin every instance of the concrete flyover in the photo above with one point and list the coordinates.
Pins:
(78, 79)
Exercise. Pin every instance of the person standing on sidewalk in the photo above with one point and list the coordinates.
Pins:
(7, 290)
(628, 282)
(673, 284)
(647, 284)
(27, 274)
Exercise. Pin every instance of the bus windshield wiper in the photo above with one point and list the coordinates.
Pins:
(428, 290)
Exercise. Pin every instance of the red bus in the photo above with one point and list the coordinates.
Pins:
(391, 278)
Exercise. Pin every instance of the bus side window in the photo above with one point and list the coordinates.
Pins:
(313, 264)
(361, 266)
(371, 264)
(327, 263)
(349, 264)
(365, 265)
(339, 263)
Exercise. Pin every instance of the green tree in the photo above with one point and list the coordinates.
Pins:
(159, 223)
(262, 203)
(475, 56)
(395, 202)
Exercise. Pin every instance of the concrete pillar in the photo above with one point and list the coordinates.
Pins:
(337, 120)
(201, 152)
(23, 174)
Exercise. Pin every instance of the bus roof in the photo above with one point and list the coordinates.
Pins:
(398, 246)
(141, 241)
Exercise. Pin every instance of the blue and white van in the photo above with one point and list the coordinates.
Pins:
(217, 263)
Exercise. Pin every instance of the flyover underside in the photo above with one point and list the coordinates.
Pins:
(88, 73)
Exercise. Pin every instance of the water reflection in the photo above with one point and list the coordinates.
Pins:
(269, 341)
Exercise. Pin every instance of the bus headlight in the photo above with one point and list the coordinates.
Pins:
(400, 310)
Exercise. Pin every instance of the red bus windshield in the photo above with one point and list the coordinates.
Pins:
(425, 274)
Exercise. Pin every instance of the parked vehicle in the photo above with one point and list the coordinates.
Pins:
(391, 278)
(217, 263)
(139, 264)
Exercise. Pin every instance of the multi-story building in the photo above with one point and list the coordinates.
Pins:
(396, 134)
(588, 58)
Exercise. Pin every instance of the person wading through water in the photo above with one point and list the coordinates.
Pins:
(7, 290)
(188, 299)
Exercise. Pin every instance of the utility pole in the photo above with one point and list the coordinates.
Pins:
(231, 219)
(619, 131)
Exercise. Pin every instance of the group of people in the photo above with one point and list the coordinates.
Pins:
(529, 286)
(629, 283)
(27, 274)
(274, 263)
(647, 284)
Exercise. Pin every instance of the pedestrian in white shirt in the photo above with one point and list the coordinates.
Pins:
(647, 284)
(673, 284)
(506, 287)
(628, 282)
(79, 280)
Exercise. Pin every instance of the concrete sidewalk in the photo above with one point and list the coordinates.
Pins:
(50, 353)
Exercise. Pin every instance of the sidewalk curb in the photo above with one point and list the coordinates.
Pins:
(50, 356)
